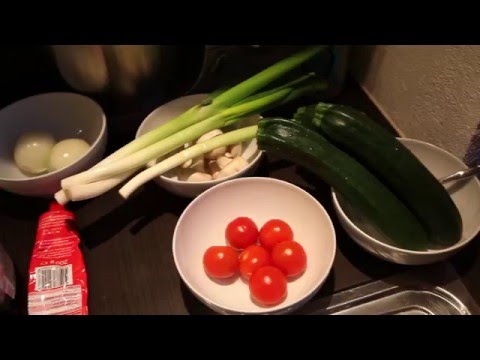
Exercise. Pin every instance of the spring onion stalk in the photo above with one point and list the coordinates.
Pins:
(291, 84)
(312, 87)
(209, 99)
(232, 137)
(265, 77)
(62, 197)
(219, 102)
(89, 191)
(138, 159)
(229, 116)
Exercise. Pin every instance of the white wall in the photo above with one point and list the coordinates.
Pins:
(431, 93)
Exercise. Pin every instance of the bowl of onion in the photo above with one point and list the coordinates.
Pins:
(47, 137)
(199, 174)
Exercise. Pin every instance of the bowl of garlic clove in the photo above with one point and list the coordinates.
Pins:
(197, 175)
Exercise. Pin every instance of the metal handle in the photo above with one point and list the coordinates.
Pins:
(461, 174)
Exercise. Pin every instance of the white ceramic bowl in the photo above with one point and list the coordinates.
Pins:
(64, 115)
(465, 194)
(203, 223)
(169, 181)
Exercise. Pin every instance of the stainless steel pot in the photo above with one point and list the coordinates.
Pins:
(127, 70)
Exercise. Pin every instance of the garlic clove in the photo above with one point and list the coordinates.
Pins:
(235, 150)
(223, 161)
(232, 167)
(183, 174)
(216, 153)
(209, 135)
(198, 164)
(187, 164)
(199, 177)
(193, 176)
(213, 167)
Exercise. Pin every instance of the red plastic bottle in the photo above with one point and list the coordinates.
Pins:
(58, 279)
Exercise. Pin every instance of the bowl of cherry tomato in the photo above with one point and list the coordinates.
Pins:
(254, 246)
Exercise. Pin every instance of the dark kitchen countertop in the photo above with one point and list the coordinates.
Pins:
(127, 245)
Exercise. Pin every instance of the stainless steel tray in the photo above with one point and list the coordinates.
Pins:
(431, 290)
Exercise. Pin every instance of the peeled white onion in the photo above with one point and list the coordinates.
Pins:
(32, 152)
(66, 152)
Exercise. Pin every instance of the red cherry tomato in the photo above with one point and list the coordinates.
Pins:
(253, 258)
(273, 232)
(268, 286)
(290, 257)
(241, 232)
(220, 262)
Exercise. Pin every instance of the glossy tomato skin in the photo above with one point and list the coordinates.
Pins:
(268, 286)
(290, 257)
(273, 232)
(241, 232)
(220, 262)
(253, 258)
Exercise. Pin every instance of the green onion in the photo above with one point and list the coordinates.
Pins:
(218, 102)
(138, 159)
(265, 77)
(227, 117)
(300, 81)
(91, 190)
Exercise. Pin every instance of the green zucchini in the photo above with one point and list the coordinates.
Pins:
(388, 159)
(305, 147)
